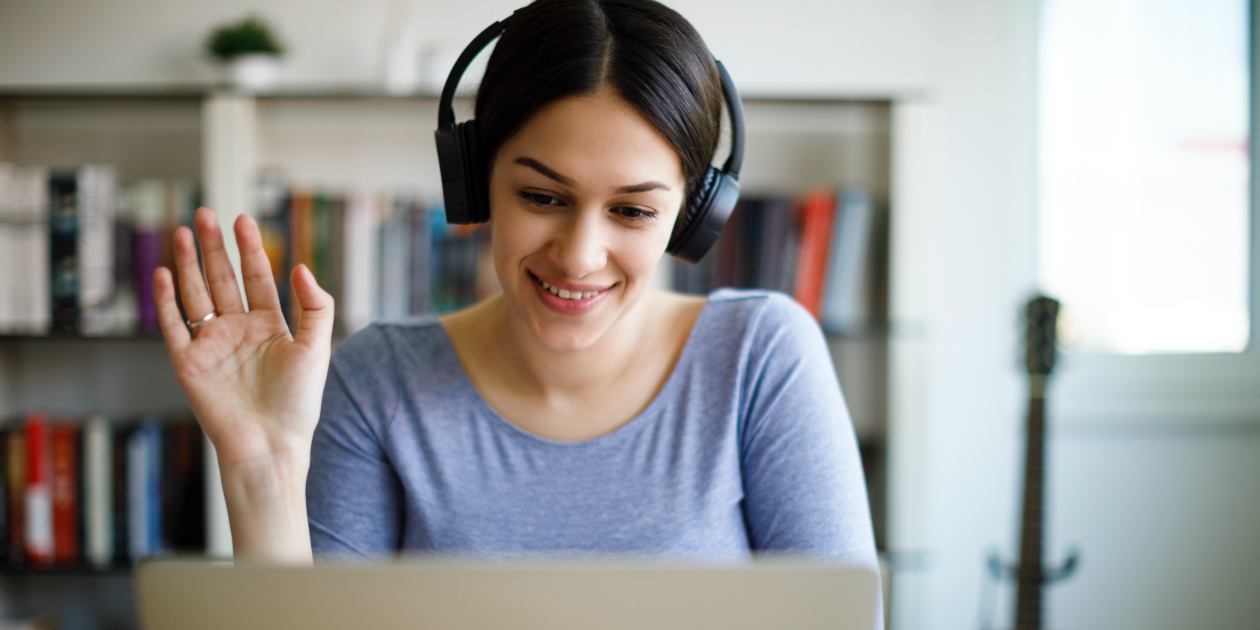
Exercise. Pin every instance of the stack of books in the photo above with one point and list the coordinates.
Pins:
(380, 254)
(78, 251)
(95, 495)
(817, 248)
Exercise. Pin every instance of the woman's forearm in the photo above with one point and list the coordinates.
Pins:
(266, 504)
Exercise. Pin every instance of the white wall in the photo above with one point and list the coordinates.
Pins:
(967, 260)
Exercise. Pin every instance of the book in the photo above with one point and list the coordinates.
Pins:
(183, 489)
(137, 494)
(98, 492)
(17, 496)
(63, 214)
(846, 307)
(421, 246)
(9, 252)
(65, 494)
(817, 212)
(120, 505)
(395, 259)
(359, 297)
(272, 208)
(4, 489)
(97, 194)
(39, 509)
(148, 210)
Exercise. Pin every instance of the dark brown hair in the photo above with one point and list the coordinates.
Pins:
(646, 52)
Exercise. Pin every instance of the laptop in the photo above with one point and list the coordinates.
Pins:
(453, 595)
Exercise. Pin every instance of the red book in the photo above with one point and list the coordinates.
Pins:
(817, 212)
(39, 536)
(65, 494)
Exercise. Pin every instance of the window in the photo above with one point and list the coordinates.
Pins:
(1145, 173)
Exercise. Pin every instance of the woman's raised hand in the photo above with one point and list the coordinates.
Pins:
(255, 389)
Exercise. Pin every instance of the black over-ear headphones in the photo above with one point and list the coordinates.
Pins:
(466, 190)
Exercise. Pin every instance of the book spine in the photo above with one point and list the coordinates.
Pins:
(817, 210)
(65, 494)
(120, 508)
(95, 247)
(153, 485)
(98, 500)
(39, 526)
(9, 250)
(149, 210)
(360, 252)
(846, 309)
(4, 489)
(64, 245)
(17, 497)
(184, 517)
(137, 491)
(421, 244)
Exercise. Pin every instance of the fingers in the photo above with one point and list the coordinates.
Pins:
(192, 287)
(219, 275)
(315, 323)
(260, 286)
(169, 320)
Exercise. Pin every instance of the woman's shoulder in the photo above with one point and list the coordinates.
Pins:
(406, 344)
(757, 328)
(756, 311)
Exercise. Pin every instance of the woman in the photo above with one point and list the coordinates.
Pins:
(578, 411)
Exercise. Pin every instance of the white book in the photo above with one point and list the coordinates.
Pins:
(98, 492)
(359, 273)
(33, 301)
(846, 305)
(96, 187)
(9, 261)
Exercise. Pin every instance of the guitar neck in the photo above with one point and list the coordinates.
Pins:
(1030, 575)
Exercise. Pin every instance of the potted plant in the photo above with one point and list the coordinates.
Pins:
(249, 51)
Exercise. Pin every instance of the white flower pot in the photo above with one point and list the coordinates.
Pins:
(254, 73)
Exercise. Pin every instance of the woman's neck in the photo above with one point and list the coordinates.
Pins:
(560, 376)
(572, 395)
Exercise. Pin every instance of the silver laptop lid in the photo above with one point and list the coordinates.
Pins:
(190, 595)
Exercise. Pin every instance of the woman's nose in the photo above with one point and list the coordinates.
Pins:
(580, 248)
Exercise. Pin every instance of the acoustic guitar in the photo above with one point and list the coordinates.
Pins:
(1030, 574)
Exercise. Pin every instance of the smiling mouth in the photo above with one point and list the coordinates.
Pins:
(564, 294)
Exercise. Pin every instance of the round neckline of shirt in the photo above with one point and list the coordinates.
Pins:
(465, 382)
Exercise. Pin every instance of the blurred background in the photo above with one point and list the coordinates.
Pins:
(916, 171)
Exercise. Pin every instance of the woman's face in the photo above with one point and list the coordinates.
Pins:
(583, 201)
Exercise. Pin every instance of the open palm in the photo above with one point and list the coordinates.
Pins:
(255, 389)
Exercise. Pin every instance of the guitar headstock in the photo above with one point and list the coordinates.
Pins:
(1040, 316)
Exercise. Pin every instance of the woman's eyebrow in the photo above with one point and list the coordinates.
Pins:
(551, 174)
(542, 168)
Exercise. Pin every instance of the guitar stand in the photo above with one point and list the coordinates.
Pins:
(1001, 571)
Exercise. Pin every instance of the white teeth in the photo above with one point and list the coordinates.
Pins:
(569, 295)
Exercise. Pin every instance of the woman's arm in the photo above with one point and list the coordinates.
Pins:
(255, 389)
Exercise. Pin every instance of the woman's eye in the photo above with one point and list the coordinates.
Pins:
(540, 199)
(637, 214)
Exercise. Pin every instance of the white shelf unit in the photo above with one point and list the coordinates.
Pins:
(348, 139)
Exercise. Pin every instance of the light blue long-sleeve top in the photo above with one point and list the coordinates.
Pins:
(747, 447)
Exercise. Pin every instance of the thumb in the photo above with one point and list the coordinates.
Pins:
(315, 321)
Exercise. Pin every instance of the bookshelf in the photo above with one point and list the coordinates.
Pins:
(352, 138)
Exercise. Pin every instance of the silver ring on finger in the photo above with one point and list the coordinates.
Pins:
(194, 325)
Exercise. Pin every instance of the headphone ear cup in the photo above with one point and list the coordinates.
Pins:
(708, 208)
(476, 186)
